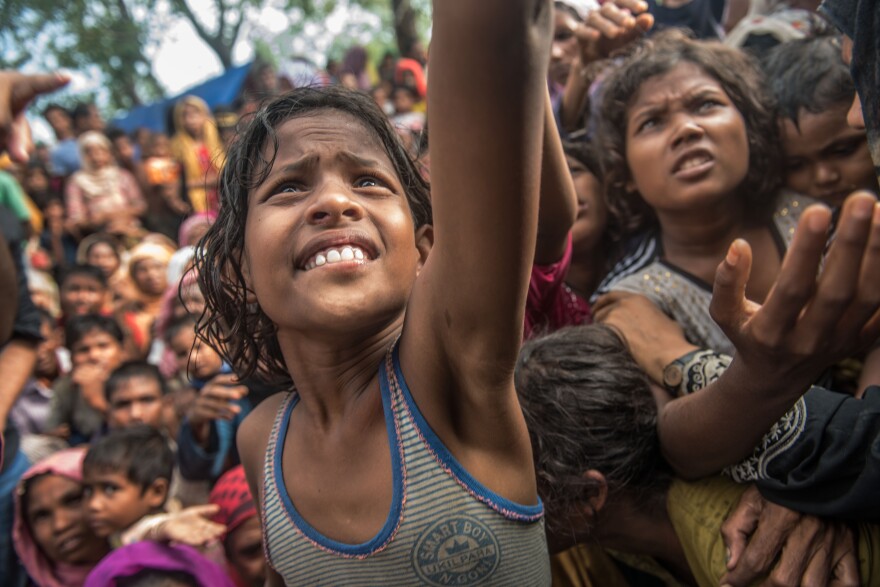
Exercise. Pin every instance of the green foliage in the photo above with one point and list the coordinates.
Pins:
(108, 37)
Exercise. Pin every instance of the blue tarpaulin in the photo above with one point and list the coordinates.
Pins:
(219, 91)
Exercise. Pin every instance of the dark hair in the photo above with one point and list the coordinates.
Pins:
(568, 8)
(808, 74)
(82, 110)
(79, 326)
(114, 132)
(176, 325)
(129, 370)
(46, 318)
(86, 270)
(413, 93)
(103, 238)
(242, 334)
(54, 106)
(141, 453)
(742, 81)
(585, 153)
(588, 406)
(159, 578)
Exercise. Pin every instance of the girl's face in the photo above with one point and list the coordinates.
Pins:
(592, 213)
(36, 181)
(97, 156)
(150, 276)
(193, 120)
(686, 143)
(329, 240)
(104, 257)
(193, 357)
(825, 158)
(565, 46)
(56, 517)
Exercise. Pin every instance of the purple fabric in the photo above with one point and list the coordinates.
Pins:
(134, 558)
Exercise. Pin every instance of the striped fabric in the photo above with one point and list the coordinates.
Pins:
(444, 528)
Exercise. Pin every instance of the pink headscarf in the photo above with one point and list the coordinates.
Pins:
(191, 222)
(44, 572)
(130, 560)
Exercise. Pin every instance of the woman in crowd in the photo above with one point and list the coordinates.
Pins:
(53, 540)
(102, 195)
(196, 145)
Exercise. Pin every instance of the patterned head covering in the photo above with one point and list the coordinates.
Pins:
(233, 496)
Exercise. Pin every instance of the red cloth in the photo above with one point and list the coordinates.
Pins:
(551, 304)
(232, 494)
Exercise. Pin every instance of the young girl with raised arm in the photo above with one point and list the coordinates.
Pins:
(402, 456)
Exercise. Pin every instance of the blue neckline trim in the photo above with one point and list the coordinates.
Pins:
(391, 523)
(496, 501)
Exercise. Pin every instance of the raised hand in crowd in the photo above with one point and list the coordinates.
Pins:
(216, 401)
(795, 549)
(191, 526)
(606, 30)
(782, 347)
(90, 377)
(16, 92)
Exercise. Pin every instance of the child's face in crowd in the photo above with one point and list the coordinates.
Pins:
(36, 181)
(150, 276)
(686, 143)
(196, 232)
(592, 213)
(194, 357)
(244, 551)
(57, 521)
(137, 400)
(97, 348)
(565, 46)
(403, 101)
(114, 503)
(331, 229)
(82, 294)
(102, 256)
(124, 149)
(159, 146)
(60, 121)
(193, 300)
(825, 158)
(47, 360)
(97, 156)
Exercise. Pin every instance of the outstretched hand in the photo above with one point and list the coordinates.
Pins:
(612, 27)
(763, 538)
(806, 323)
(16, 92)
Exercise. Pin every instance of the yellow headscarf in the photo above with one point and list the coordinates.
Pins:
(184, 146)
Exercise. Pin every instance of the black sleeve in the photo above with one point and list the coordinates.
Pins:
(27, 319)
(832, 467)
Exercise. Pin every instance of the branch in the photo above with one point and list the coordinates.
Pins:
(183, 8)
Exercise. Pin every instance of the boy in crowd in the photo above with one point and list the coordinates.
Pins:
(127, 476)
(135, 395)
(79, 406)
(83, 291)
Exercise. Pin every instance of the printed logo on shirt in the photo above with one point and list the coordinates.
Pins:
(456, 551)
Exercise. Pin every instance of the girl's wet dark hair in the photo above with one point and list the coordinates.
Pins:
(743, 82)
(588, 405)
(238, 329)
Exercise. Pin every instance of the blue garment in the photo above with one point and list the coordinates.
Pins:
(444, 527)
(65, 158)
(207, 464)
(702, 17)
(11, 571)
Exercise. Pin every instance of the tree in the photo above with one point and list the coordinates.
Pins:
(110, 36)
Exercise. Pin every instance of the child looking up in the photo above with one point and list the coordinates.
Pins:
(83, 291)
(402, 457)
(824, 158)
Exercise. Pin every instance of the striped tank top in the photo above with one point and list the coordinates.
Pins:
(444, 527)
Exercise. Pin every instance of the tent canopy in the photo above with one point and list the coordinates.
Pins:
(219, 91)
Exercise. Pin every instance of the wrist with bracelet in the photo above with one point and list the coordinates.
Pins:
(694, 371)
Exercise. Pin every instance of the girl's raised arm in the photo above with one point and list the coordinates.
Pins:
(488, 69)
(464, 320)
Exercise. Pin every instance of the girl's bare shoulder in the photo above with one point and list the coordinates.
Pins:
(253, 434)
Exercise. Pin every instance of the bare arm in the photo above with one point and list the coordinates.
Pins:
(558, 204)
(784, 345)
(870, 371)
(8, 290)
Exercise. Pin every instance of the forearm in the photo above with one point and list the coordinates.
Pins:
(720, 425)
(576, 95)
(8, 291)
(558, 204)
(17, 360)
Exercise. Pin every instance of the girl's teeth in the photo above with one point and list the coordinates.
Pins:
(333, 256)
(359, 254)
(320, 260)
(347, 254)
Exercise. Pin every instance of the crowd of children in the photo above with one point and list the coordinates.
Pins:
(615, 325)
